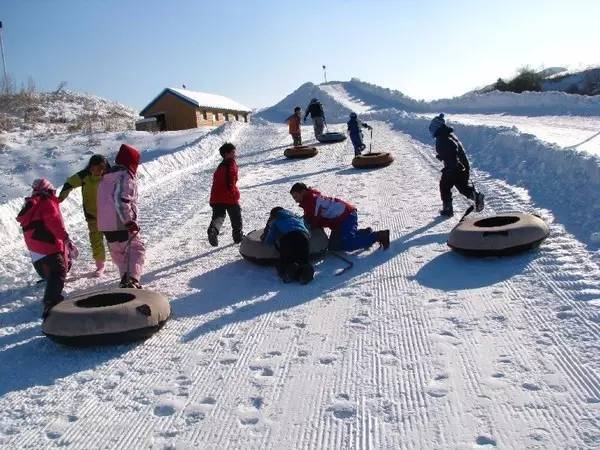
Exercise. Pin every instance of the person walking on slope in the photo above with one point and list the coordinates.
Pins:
(456, 166)
(88, 180)
(356, 134)
(47, 240)
(293, 122)
(225, 197)
(117, 204)
(315, 109)
(291, 237)
(340, 216)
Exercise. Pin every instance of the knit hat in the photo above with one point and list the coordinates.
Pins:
(98, 159)
(437, 123)
(353, 115)
(129, 157)
(42, 186)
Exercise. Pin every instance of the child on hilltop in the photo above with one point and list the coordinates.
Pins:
(356, 134)
(293, 122)
(225, 197)
(291, 237)
(340, 216)
(47, 240)
(88, 180)
(456, 166)
(118, 216)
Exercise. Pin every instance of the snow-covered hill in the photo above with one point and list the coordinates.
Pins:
(416, 347)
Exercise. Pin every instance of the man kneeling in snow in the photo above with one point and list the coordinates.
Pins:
(340, 216)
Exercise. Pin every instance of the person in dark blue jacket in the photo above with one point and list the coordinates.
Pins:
(291, 237)
(456, 166)
(356, 135)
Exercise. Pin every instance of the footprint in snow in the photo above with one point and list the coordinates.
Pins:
(485, 441)
(164, 410)
(327, 359)
(531, 387)
(343, 409)
(228, 361)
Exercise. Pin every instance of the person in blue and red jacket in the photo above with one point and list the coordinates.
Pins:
(225, 197)
(47, 240)
(340, 217)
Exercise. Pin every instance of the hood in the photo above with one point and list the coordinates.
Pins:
(128, 157)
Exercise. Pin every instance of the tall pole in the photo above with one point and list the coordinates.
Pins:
(325, 73)
(3, 60)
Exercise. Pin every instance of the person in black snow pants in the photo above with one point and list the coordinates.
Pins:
(456, 166)
(315, 109)
(356, 134)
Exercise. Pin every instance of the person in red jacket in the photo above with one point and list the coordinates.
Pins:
(225, 197)
(47, 240)
(294, 126)
(340, 216)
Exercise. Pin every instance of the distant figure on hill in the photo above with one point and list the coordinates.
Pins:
(88, 180)
(356, 135)
(456, 166)
(315, 109)
(293, 122)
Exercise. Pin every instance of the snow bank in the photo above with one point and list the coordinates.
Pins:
(564, 181)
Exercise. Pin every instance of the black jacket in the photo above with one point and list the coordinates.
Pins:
(450, 150)
(315, 110)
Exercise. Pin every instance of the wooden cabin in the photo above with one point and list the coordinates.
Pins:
(180, 109)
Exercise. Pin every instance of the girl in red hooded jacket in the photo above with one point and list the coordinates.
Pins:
(47, 240)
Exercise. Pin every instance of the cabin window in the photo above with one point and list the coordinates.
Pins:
(216, 115)
(204, 115)
(227, 117)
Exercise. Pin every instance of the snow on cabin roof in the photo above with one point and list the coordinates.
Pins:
(202, 100)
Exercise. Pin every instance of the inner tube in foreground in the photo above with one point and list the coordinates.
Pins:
(370, 160)
(111, 316)
(500, 235)
(331, 137)
(256, 251)
(300, 152)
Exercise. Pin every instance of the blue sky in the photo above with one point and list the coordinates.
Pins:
(259, 51)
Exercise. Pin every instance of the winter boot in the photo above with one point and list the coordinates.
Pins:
(129, 283)
(306, 273)
(213, 237)
(447, 210)
(99, 268)
(383, 237)
(237, 237)
(479, 201)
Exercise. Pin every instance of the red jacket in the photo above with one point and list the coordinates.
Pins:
(43, 227)
(224, 188)
(293, 123)
(321, 211)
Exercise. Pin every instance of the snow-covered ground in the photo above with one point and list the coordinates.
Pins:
(415, 347)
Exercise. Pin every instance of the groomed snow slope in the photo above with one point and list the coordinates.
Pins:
(416, 347)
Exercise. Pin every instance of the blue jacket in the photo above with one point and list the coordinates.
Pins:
(354, 127)
(285, 222)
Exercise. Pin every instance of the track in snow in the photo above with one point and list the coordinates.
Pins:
(416, 347)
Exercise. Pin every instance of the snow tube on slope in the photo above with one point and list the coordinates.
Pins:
(370, 160)
(112, 316)
(300, 152)
(331, 137)
(254, 250)
(498, 235)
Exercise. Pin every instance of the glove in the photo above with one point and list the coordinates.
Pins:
(439, 157)
(132, 227)
(72, 250)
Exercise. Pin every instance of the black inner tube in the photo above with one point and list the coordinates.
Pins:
(498, 221)
(98, 301)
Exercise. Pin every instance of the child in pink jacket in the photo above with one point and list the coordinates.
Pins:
(118, 216)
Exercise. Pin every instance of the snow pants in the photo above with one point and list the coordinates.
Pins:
(119, 247)
(53, 269)
(297, 137)
(235, 216)
(318, 125)
(458, 179)
(294, 248)
(357, 142)
(96, 241)
(348, 237)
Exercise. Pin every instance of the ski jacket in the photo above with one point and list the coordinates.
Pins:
(293, 123)
(354, 127)
(285, 222)
(117, 199)
(43, 226)
(89, 189)
(224, 188)
(322, 211)
(315, 110)
(450, 150)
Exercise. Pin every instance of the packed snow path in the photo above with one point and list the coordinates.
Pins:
(415, 347)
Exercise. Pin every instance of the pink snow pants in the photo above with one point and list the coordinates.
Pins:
(137, 253)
